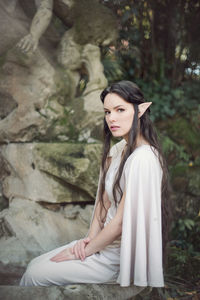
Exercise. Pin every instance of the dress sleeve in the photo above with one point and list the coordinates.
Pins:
(141, 241)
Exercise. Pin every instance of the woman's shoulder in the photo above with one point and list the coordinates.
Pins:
(144, 154)
(117, 148)
(143, 160)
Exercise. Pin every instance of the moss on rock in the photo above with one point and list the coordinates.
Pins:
(73, 164)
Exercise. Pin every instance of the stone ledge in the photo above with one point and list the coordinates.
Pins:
(72, 292)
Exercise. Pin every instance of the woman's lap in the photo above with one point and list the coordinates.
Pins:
(102, 267)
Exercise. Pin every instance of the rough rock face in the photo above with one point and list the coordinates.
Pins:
(13, 24)
(51, 172)
(39, 99)
(27, 229)
(27, 83)
(37, 178)
(35, 102)
(72, 292)
(45, 187)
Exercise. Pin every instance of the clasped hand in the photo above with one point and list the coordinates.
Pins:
(75, 252)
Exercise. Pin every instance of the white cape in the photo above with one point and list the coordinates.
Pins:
(141, 240)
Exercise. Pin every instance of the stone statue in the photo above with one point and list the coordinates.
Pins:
(90, 24)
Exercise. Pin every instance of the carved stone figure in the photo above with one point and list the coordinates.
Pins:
(90, 25)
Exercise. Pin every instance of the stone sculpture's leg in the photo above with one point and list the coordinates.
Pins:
(70, 58)
(92, 59)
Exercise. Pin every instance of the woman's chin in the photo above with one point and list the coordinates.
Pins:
(117, 134)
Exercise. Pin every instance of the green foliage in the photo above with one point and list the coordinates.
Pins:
(159, 49)
(183, 272)
(112, 68)
(181, 130)
(150, 26)
(148, 53)
(169, 146)
(186, 235)
(165, 99)
(184, 258)
(184, 263)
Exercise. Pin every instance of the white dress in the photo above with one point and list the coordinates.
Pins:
(113, 264)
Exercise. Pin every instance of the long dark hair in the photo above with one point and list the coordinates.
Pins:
(131, 93)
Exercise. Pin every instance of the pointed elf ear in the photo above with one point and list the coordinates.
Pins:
(142, 108)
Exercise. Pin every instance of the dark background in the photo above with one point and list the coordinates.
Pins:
(159, 48)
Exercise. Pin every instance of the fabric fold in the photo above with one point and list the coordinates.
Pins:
(141, 239)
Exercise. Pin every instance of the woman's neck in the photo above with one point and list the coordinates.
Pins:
(140, 140)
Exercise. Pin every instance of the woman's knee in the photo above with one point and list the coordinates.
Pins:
(34, 276)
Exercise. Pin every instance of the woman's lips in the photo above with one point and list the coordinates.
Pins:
(114, 128)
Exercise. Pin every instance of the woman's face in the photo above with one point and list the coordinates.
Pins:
(118, 114)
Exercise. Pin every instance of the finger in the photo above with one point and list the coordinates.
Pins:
(60, 259)
(87, 240)
(58, 255)
(83, 251)
(76, 252)
(29, 47)
(24, 44)
(70, 250)
(54, 258)
(80, 250)
(63, 259)
(21, 43)
(35, 47)
(78, 246)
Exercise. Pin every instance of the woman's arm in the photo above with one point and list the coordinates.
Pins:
(78, 250)
(105, 237)
(109, 233)
(97, 225)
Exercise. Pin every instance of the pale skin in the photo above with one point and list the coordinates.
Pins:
(119, 117)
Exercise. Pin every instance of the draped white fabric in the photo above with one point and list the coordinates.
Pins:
(141, 242)
(141, 239)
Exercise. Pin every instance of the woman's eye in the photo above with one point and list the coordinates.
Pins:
(107, 112)
(120, 110)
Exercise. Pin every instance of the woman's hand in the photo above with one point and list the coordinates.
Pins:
(65, 254)
(76, 252)
(79, 248)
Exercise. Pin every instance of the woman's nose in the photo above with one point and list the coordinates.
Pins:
(112, 117)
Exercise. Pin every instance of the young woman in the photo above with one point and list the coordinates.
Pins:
(124, 243)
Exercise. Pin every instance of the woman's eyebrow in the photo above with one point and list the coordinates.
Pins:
(114, 107)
